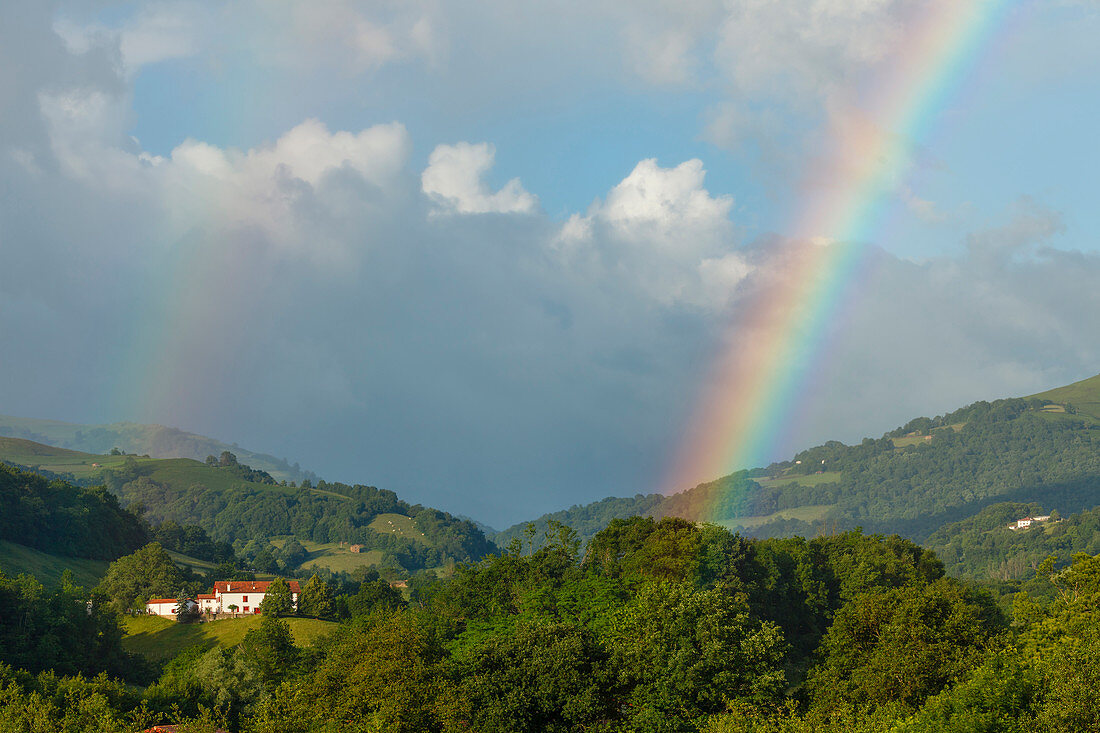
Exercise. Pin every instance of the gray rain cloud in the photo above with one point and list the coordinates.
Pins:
(324, 297)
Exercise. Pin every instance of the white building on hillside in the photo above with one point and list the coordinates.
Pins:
(244, 595)
(247, 595)
(163, 606)
(1028, 521)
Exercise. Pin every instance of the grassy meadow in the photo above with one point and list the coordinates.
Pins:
(57, 460)
(160, 639)
(813, 479)
(397, 524)
(333, 555)
(1084, 395)
(16, 559)
(808, 513)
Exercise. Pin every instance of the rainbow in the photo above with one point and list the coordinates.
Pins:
(763, 372)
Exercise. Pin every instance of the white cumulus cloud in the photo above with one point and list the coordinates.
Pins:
(660, 230)
(455, 180)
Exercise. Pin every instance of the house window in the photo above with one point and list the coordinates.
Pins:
(246, 609)
(244, 599)
(257, 610)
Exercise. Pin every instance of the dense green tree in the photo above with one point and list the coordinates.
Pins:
(292, 554)
(542, 677)
(374, 594)
(902, 645)
(147, 573)
(68, 629)
(382, 675)
(187, 610)
(316, 599)
(278, 600)
(686, 653)
(270, 650)
(62, 519)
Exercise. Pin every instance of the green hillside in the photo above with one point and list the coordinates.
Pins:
(58, 518)
(983, 545)
(232, 502)
(334, 556)
(1084, 396)
(157, 441)
(926, 475)
(161, 639)
(56, 460)
(47, 568)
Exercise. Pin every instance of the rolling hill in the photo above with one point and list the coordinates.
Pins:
(1082, 397)
(158, 441)
(928, 474)
(236, 504)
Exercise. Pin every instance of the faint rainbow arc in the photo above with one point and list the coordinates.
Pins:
(759, 378)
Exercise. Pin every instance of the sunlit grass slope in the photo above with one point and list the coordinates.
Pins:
(159, 638)
(1084, 395)
(334, 556)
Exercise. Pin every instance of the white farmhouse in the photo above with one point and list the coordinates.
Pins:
(247, 595)
(1028, 521)
(161, 606)
(244, 595)
(164, 606)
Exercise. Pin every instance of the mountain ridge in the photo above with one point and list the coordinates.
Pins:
(158, 441)
(928, 473)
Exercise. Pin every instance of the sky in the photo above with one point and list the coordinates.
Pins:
(491, 255)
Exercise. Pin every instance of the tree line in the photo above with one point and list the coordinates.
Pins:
(655, 625)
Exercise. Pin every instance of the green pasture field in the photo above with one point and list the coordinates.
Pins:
(57, 460)
(334, 556)
(16, 559)
(193, 563)
(1084, 395)
(183, 472)
(177, 472)
(397, 524)
(161, 639)
(808, 513)
(813, 479)
(922, 439)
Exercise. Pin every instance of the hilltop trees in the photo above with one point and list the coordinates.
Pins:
(135, 578)
(660, 626)
(62, 519)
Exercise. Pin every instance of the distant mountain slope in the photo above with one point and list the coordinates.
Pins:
(157, 441)
(61, 519)
(1083, 397)
(984, 546)
(234, 503)
(911, 481)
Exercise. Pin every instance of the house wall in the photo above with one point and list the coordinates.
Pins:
(251, 605)
(161, 609)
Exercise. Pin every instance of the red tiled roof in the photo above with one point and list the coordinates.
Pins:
(206, 596)
(161, 600)
(250, 586)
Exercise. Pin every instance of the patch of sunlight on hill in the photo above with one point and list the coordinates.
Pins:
(1084, 395)
(160, 639)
